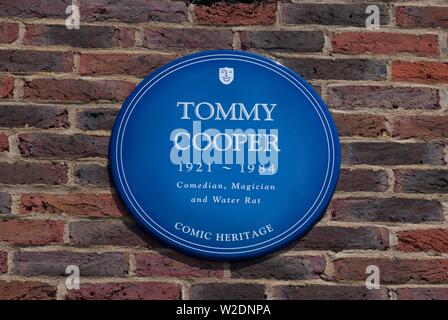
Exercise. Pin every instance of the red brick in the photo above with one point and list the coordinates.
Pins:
(422, 16)
(13, 116)
(282, 41)
(383, 97)
(134, 11)
(175, 265)
(187, 39)
(352, 180)
(327, 292)
(221, 13)
(54, 263)
(418, 240)
(33, 173)
(227, 291)
(393, 271)
(433, 293)
(420, 71)
(31, 232)
(27, 290)
(337, 238)
(9, 32)
(280, 267)
(126, 291)
(421, 126)
(421, 181)
(387, 210)
(26, 61)
(6, 87)
(3, 262)
(77, 90)
(54, 145)
(385, 43)
(138, 65)
(4, 142)
(73, 204)
(363, 125)
(35, 9)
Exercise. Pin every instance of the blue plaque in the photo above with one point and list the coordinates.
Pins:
(225, 155)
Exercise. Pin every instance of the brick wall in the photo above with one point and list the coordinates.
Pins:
(60, 91)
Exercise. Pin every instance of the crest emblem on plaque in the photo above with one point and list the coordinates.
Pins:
(226, 75)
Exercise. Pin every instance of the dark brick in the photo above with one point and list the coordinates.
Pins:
(53, 145)
(184, 39)
(227, 291)
(35, 61)
(433, 293)
(286, 41)
(392, 153)
(33, 173)
(421, 181)
(26, 290)
(54, 263)
(424, 16)
(387, 210)
(33, 116)
(352, 180)
(31, 232)
(5, 203)
(280, 267)
(340, 69)
(126, 291)
(360, 97)
(336, 238)
(134, 11)
(360, 124)
(9, 32)
(34, 9)
(77, 90)
(335, 14)
(3, 262)
(327, 292)
(92, 174)
(97, 119)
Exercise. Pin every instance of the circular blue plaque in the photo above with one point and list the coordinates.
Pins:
(225, 155)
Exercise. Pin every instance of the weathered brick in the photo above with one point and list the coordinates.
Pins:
(387, 210)
(35, 61)
(35, 9)
(334, 14)
(385, 43)
(422, 16)
(44, 117)
(97, 119)
(126, 291)
(421, 181)
(280, 267)
(139, 65)
(9, 32)
(337, 238)
(433, 293)
(31, 232)
(421, 126)
(54, 263)
(4, 142)
(222, 13)
(73, 204)
(227, 291)
(93, 175)
(435, 240)
(392, 153)
(114, 233)
(352, 180)
(5, 202)
(192, 39)
(176, 265)
(420, 71)
(338, 69)
(26, 290)
(3, 262)
(33, 173)
(359, 97)
(286, 41)
(6, 87)
(360, 124)
(393, 271)
(53, 145)
(327, 292)
(134, 11)
(85, 37)
(77, 90)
